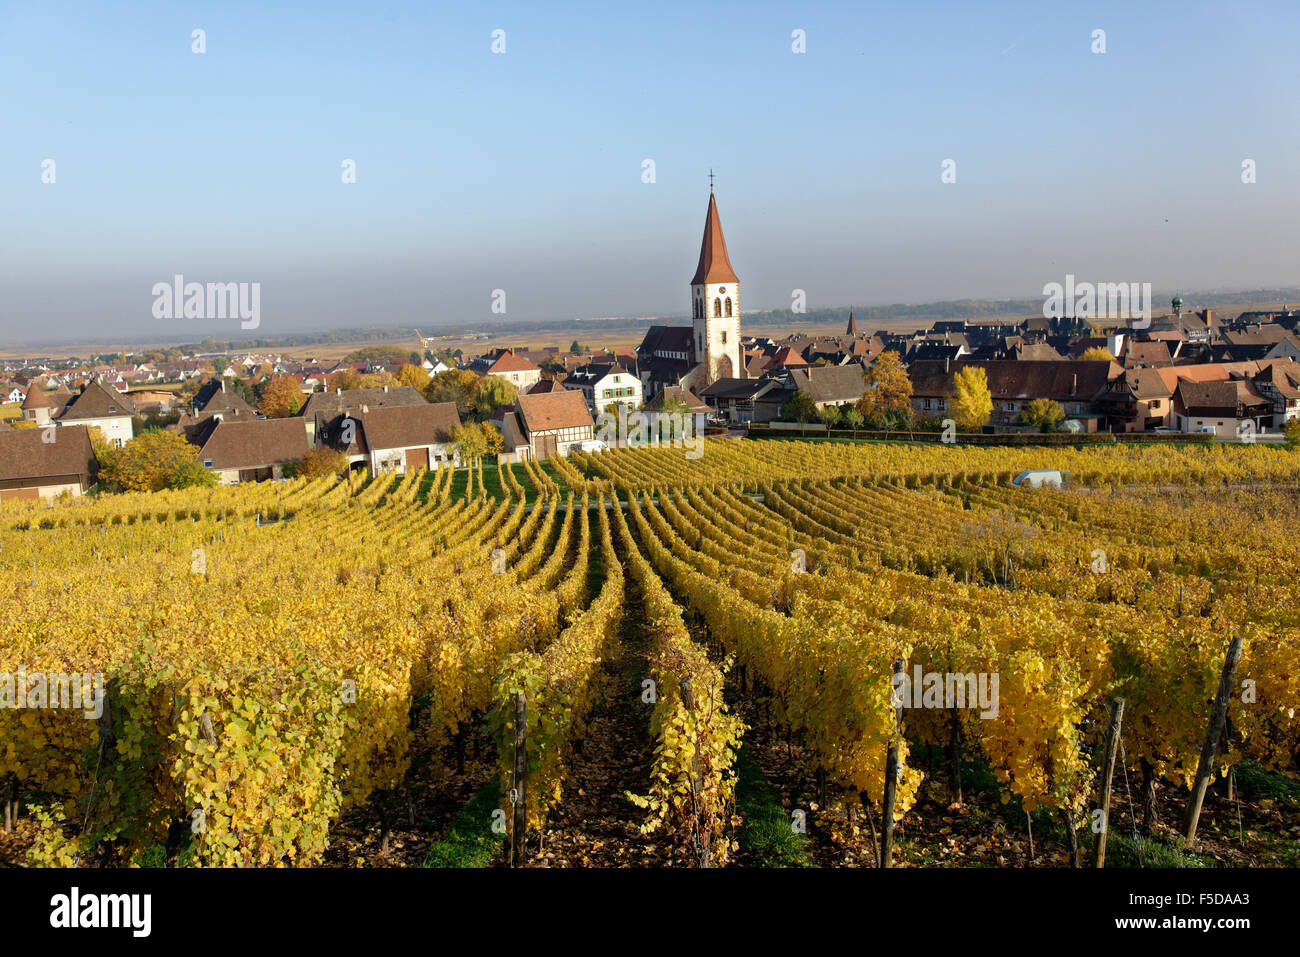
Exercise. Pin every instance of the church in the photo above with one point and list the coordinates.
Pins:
(709, 349)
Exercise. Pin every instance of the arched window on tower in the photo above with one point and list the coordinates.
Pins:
(728, 305)
(717, 307)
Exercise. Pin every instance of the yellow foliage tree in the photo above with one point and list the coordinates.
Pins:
(281, 398)
(973, 403)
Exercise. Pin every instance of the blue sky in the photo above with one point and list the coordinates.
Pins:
(522, 171)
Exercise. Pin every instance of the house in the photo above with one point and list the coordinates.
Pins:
(1154, 352)
(746, 400)
(215, 397)
(514, 442)
(544, 385)
(516, 370)
(830, 385)
(32, 467)
(1280, 383)
(674, 394)
(397, 438)
(1138, 401)
(604, 384)
(554, 422)
(249, 450)
(103, 407)
(666, 353)
(329, 405)
(16, 394)
(1222, 406)
(1077, 385)
(37, 407)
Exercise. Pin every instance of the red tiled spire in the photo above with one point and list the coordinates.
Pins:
(714, 265)
(853, 326)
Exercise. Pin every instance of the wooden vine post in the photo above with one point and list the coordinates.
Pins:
(1107, 770)
(519, 829)
(1218, 719)
(891, 779)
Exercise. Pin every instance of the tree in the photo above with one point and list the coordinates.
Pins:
(243, 390)
(219, 365)
(973, 403)
(1292, 432)
(888, 390)
(191, 474)
(1097, 354)
(454, 385)
(1043, 414)
(800, 407)
(413, 375)
(829, 415)
(319, 461)
(575, 348)
(150, 462)
(281, 398)
(492, 392)
(471, 441)
(853, 419)
(493, 438)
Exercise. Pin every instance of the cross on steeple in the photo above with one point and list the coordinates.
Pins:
(710, 179)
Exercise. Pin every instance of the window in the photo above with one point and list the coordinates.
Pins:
(724, 331)
(728, 305)
(717, 307)
(207, 463)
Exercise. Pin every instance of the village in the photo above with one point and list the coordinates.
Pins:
(257, 416)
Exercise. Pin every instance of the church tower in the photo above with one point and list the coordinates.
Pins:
(715, 306)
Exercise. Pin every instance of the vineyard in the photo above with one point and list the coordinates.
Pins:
(633, 657)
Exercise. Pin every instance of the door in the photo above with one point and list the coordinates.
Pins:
(544, 446)
(417, 458)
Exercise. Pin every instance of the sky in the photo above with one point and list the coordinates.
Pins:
(524, 171)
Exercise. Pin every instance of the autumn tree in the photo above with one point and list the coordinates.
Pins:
(1097, 354)
(1043, 414)
(470, 441)
(829, 415)
(973, 403)
(153, 461)
(321, 460)
(280, 399)
(492, 392)
(454, 385)
(888, 392)
(413, 375)
(1292, 432)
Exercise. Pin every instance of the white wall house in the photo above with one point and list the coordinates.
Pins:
(103, 407)
(605, 383)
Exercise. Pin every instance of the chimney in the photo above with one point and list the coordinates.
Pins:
(385, 388)
(338, 391)
(1074, 385)
(945, 364)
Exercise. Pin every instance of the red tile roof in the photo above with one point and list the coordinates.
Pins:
(714, 265)
(547, 411)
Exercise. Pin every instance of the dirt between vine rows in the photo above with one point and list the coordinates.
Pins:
(594, 824)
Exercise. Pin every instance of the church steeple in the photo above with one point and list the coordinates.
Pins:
(853, 326)
(715, 305)
(714, 265)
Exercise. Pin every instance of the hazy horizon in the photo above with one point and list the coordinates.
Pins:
(523, 171)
